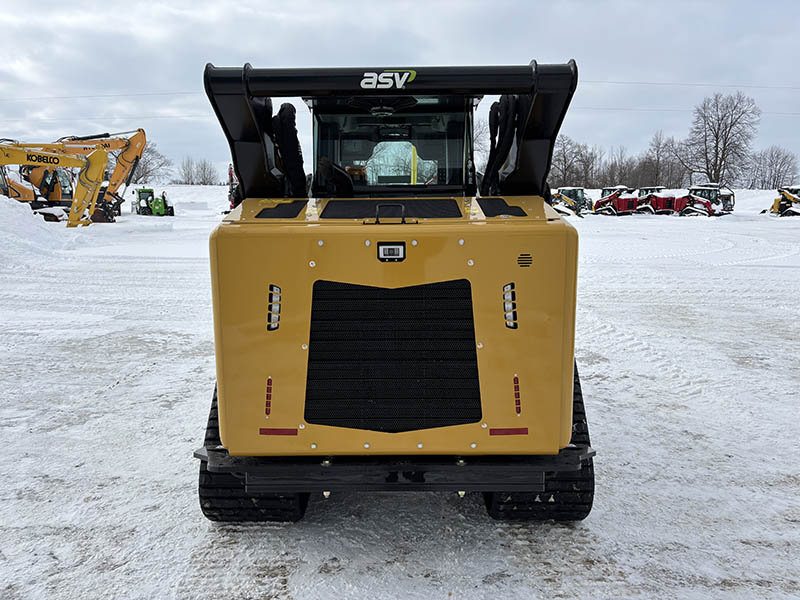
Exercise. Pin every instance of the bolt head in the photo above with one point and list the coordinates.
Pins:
(320, 243)
(470, 262)
(301, 426)
(460, 242)
(366, 444)
(413, 242)
(473, 445)
(480, 345)
(367, 243)
(419, 445)
(304, 346)
(484, 425)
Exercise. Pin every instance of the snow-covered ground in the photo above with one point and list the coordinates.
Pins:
(687, 340)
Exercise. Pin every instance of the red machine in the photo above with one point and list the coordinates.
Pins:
(615, 201)
(681, 202)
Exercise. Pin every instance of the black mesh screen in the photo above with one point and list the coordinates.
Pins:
(392, 359)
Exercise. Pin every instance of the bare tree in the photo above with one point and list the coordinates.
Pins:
(481, 144)
(564, 167)
(718, 145)
(771, 168)
(153, 166)
(205, 173)
(186, 171)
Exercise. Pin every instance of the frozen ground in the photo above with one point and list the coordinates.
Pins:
(688, 334)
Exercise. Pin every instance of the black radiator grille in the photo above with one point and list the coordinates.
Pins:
(392, 359)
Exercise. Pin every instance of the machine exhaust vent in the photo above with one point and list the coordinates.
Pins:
(525, 260)
(392, 359)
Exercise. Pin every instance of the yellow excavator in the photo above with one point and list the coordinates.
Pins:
(90, 178)
(54, 186)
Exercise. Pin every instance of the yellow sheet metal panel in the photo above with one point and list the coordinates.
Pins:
(249, 254)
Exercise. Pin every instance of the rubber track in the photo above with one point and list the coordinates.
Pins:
(223, 497)
(568, 495)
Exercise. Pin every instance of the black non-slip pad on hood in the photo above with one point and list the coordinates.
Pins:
(439, 208)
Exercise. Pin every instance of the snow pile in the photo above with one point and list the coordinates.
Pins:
(674, 193)
(19, 181)
(22, 232)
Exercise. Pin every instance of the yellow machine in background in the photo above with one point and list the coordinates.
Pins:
(401, 329)
(787, 204)
(89, 180)
(53, 183)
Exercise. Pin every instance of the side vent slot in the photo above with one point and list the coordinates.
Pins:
(525, 260)
(510, 305)
(274, 308)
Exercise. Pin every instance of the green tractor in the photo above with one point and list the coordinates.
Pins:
(147, 203)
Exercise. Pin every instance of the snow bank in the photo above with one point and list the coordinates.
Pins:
(22, 232)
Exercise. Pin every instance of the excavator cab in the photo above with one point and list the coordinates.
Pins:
(397, 328)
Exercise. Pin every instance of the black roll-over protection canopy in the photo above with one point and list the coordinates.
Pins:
(536, 98)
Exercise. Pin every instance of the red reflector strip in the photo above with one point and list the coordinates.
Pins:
(509, 431)
(278, 431)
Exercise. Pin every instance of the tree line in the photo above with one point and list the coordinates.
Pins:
(155, 167)
(717, 148)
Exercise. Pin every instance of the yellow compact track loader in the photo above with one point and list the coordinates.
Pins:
(395, 328)
(787, 204)
(90, 178)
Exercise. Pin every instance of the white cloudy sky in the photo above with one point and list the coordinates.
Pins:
(85, 67)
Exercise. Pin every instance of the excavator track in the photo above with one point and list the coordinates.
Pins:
(568, 495)
(223, 497)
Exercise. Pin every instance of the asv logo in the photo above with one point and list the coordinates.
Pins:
(387, 79)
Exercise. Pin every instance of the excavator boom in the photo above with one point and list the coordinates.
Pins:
(131, 149)
(90, 176)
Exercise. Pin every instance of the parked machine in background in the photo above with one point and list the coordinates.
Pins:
(147, 203)
(397, 331)
(721, 197)
(127, 148)
(86, 189)
(616, 201)
(53, 184)
(570, 200)
(787, 204)
(679, 202)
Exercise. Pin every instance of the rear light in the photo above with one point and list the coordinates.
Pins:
(268, 403)
(517, 403)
